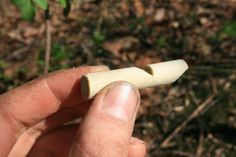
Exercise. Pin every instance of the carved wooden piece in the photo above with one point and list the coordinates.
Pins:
(153, 75)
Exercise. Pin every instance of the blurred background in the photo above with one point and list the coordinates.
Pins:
(195, 116)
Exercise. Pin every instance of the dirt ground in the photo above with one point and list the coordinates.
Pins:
(195, 116)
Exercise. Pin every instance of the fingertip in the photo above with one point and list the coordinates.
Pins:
(138, 148)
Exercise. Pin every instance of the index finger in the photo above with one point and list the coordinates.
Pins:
(44, 96)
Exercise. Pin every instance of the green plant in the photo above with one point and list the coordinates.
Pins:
(28, 7)
(229, 28)
(162, 42)
(28, 11)
(59, 52)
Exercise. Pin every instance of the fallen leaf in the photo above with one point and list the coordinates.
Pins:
(123, 43)
(139, 8)
(160, 15)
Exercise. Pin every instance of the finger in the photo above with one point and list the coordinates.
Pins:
(42, 97)
(107, 127)
(30, 135)
(137, 148)
(36, 100)
(61, 117)
(57, 143)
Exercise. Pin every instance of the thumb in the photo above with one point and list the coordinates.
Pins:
(106, 129)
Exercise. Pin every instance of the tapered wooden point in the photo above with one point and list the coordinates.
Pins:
(153, 75)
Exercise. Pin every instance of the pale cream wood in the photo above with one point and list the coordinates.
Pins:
(153, 75)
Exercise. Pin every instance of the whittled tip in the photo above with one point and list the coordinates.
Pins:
(167, 72)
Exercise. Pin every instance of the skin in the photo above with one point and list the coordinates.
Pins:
(32, 118)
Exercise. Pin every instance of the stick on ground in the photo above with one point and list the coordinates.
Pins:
(194, 114)
(48, 46)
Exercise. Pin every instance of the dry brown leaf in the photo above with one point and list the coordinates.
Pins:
(139, 8)
(180, 6)
(113, 47)
(31, 31)
(143, 60)
(123, 43)
(160, 15)
(124, 7)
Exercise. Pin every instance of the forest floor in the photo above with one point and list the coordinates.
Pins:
(194, 117)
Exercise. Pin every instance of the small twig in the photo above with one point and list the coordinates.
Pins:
(200, 145)
(3, 8)
(184, 154)
(217, 141)
(100, 19)
(18, 52)
(48, 46)
(194, 114)
(85, 46)
(214, 85)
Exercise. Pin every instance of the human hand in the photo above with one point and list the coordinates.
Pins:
(32, 118)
